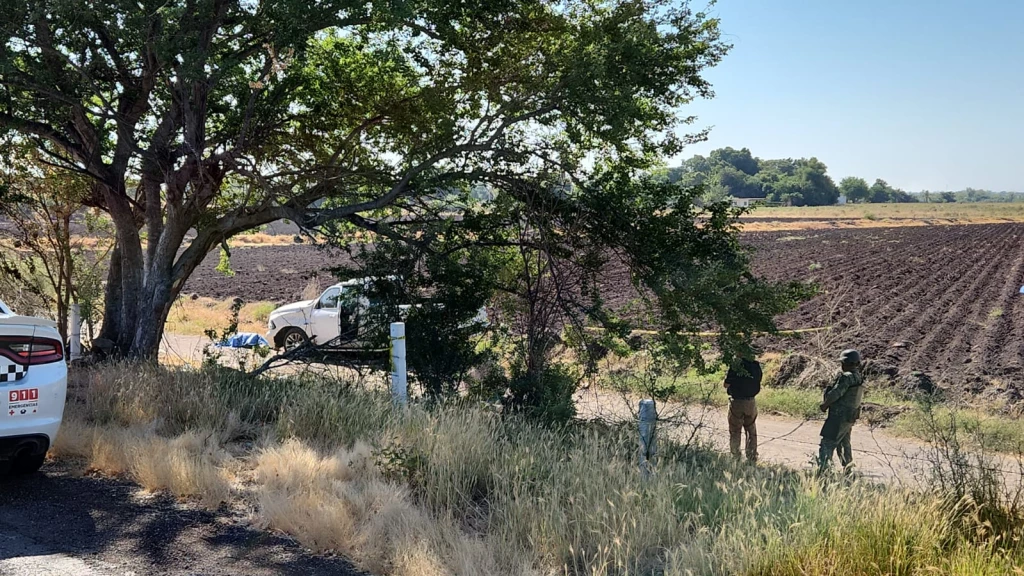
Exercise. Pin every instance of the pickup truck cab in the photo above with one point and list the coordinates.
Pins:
(339, 312)
(33, 387)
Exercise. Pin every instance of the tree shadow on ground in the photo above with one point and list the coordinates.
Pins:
(109, 522)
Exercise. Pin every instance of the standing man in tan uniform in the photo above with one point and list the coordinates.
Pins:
(743, 382)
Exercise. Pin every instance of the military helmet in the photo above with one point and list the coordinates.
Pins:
(849, 356)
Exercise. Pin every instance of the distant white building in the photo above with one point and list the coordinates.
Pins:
(746, 202)
(841, 200)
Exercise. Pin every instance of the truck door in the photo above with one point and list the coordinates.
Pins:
(323, 320)
(348, 315)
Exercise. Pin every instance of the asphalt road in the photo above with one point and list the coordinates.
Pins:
(57, 523)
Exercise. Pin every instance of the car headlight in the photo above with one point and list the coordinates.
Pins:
(272, 325)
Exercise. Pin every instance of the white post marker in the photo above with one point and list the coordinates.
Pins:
(648, 442)
(399, 378)
(76, 332)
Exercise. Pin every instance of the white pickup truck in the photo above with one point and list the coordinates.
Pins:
(340, 311)
(33, 384)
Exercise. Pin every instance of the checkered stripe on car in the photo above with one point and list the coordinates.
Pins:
(10, 372)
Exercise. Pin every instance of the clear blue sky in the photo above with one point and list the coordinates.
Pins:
(923, 94)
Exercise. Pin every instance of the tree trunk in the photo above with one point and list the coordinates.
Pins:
(142, 284)
(112, 300)
(136, 324)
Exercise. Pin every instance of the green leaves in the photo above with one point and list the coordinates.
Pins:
(686, 261)
(222, 115)
(737, 173)
(346, 98)
(855, 189)
(576, 269)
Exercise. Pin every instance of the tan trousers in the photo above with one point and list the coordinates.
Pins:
(743, 417)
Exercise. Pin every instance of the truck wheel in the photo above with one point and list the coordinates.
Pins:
(28, 463)
(292, 337)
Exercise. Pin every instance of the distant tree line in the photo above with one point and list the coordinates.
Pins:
(970, 195)
(728, 172)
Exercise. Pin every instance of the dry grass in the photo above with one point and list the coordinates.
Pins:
(920, 211)
(251, 239)
(459, 490)
(195, 317)
(312, 289)
(882, 216)
(189, 465)
(800, 225)
(245, 240)
(339, 502)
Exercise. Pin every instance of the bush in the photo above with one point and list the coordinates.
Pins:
(548, 396)
(969, 477)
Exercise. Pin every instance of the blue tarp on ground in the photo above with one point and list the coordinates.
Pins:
(244, 340)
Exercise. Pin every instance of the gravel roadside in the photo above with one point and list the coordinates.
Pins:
(57, 522)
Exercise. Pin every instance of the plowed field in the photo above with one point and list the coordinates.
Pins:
(944, 300)
(941, 299)
(274, 273)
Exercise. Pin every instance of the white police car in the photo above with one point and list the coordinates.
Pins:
(33, 386)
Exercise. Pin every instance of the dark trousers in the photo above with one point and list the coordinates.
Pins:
(835, 438)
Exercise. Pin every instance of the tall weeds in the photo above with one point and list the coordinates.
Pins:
(460, 490)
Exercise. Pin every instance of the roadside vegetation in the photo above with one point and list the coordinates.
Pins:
(990, 430)
(460, 489)
(476, 155)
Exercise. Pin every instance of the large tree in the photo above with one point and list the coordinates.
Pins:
(880, 192)
(195, 120)
(855, 189)
(571, 271)
(741, 160)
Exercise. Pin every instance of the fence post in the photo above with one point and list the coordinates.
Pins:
(399, 379)
(648, 418)
(76, 332)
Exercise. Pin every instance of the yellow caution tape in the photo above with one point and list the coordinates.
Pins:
(709, 334)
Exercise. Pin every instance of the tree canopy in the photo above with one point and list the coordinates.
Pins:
(194, 120)
(739, 174)
(542, 255)
(800, 182)
(855, 189)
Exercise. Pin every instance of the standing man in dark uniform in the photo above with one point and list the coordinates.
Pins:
(743, 382)
(842, 400)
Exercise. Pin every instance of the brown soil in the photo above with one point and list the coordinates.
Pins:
(271, 273)
(943, 300)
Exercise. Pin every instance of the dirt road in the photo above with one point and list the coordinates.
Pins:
(878, 455)
(60, 523)
(55, 523)
(790, 442)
